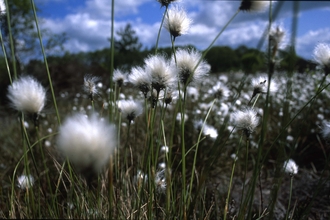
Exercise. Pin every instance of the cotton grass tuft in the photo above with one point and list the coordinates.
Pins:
(27, 95)
(87, 142)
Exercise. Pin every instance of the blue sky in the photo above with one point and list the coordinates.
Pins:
(87, 23)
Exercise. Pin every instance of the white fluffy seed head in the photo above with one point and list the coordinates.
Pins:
(247, 120)
(164, 149)
(321, 55)
(130, 109)
(170, 96)
(90, 84)
(186, 60)
(87, 142)
(141, 79)
(27, 95)
(118, 77)
(208, 130)
(163, 74)
(25, 181)
(260, 85)
(325, 130)
(160, 181)
(219, 91)
(291, 167)
(276, 36)
(177, 21)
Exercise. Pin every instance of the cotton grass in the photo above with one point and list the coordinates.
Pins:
(27, 95)
(87, 142)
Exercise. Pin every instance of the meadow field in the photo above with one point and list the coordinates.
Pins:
(169, 139)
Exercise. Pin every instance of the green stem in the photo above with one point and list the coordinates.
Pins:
(183, 153)
(245, 171)
(126, 146)
(11, 40)
(255, 101)
(160, 128)
(5, 57)
(117, 160)
(46, 63)
(93, 107)
(26, 137)
(214, 40)
(112, 55)
(292, 119)
(46, 169)
(291, 185)
(264, 120)
(231, 179)
(111, 188)
(197, 145)
(160, 28)
(183, 149)
(167, 174)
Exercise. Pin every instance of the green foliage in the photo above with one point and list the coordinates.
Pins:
(292, 62)
(127, 42)
(251, 63)
(222, 59)
(24, 33)
(127, 50)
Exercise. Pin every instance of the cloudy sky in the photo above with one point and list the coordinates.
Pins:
(87, 22)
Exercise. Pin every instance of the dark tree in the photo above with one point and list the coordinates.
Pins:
(222, 59)
(24, 34)
(128, 41)
(252, 62)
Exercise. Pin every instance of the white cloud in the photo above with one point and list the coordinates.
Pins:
(84, 33)
(246, 32)
(102, 8)
(212, 13)
(147, 33)
(88, 27)
(307, 42)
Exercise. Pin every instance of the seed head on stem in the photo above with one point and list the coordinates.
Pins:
(27, 95)
(246, 120)
(130, 109)
(260, 86)
(87, 142)
(177, 21)
(291, 167)
(162, 72)
(90, 85)
(321, 56)
(140, 78)
(276, 36)
(25, 181)
(118, 77)
(219, 91)
(187, 59)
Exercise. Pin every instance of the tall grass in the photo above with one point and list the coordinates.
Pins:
(169, 163)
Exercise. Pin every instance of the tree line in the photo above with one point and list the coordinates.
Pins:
(129, 53)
